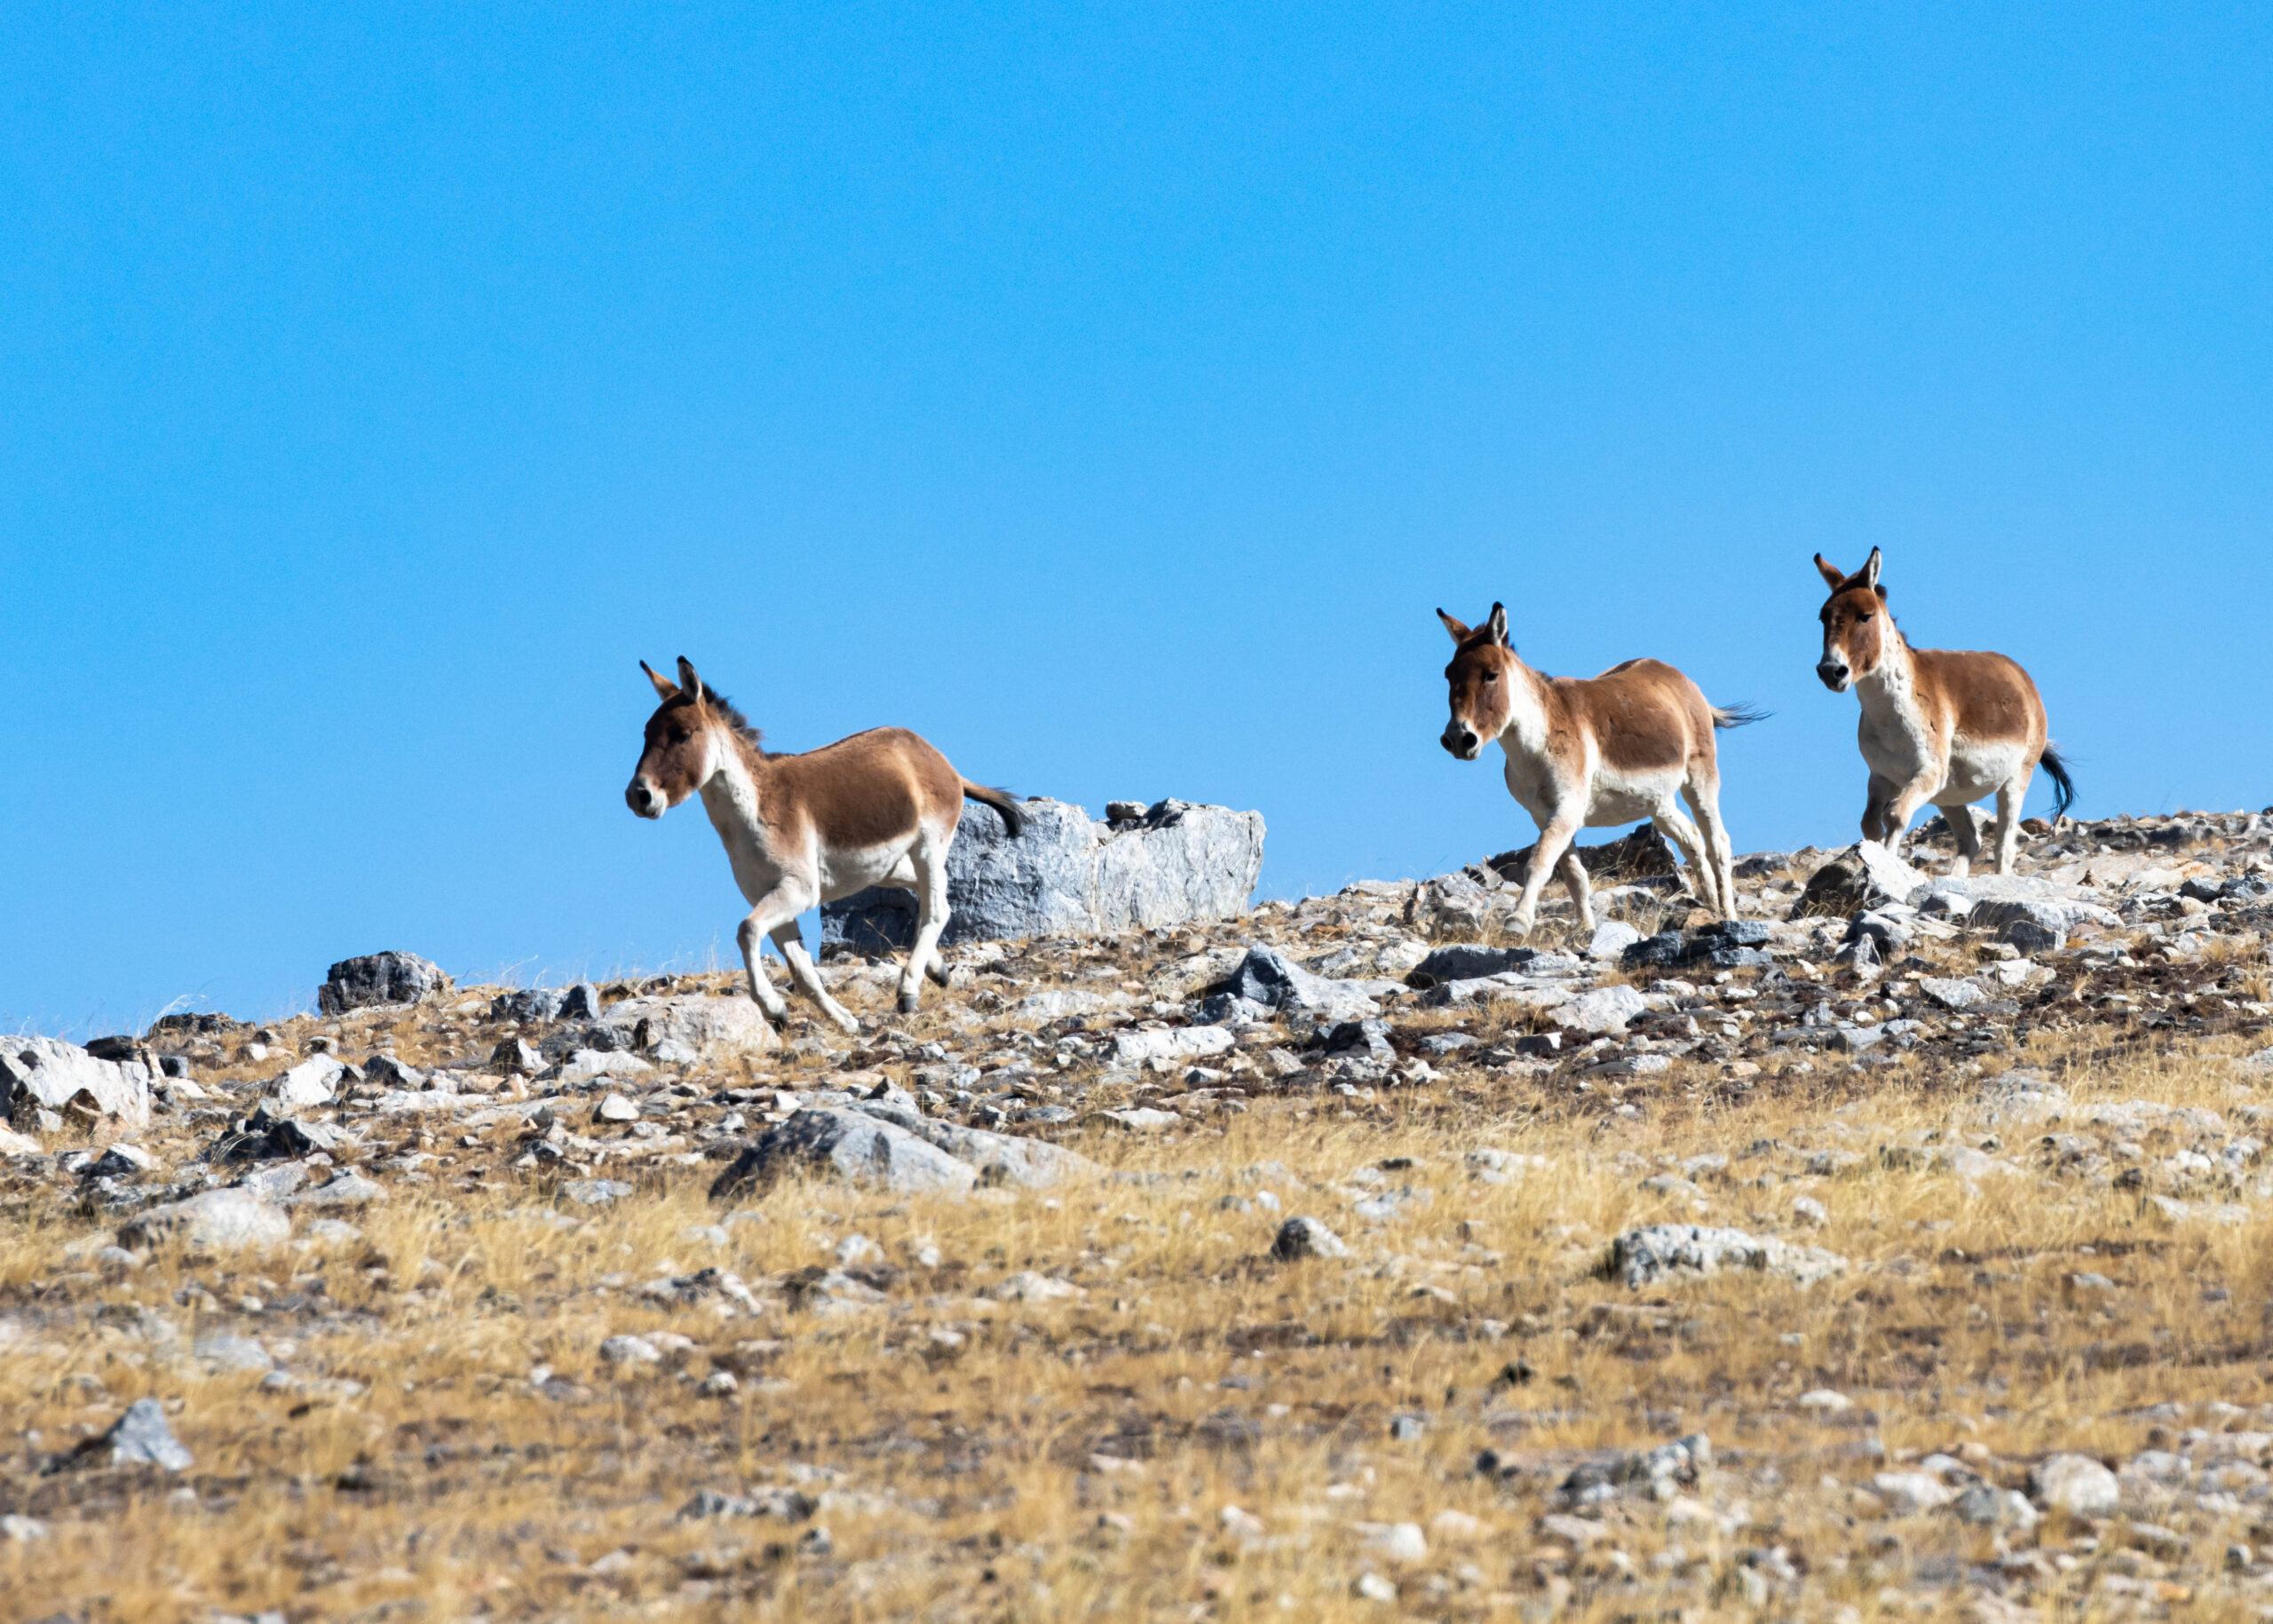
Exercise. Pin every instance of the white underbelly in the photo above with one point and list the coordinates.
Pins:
(1977, 770)
(1618, 799)
(843, 872)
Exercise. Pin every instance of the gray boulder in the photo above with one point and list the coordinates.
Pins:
(1068, 874)
(850, 1145)
(691, 1026)
(1663, 1251)
(139, 1438)
(48, 1074)
(222, 1220)
(312, 1083)
(1269, 978)
(1034, 1164)
(1865, 875)
(2075, 1483)
(379, 978)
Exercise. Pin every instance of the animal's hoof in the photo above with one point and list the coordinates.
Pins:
(907, 1001)
(849, 1025)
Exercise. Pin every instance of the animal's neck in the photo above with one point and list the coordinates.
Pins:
(731, 793)
(1528, 707)
(1892, 685)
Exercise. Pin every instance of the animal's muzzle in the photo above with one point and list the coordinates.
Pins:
(643, 798)
(1460, 740)
(1835, 674)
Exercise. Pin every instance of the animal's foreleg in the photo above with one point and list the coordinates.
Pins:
(1555, 838)
(777, 907)
(1904, 806)
(1876, 799)
(807, 975)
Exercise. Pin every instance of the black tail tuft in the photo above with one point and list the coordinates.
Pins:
(1739, 716)
(1002, 800)
(2063, 787)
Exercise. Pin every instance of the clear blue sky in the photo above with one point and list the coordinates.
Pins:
(1110, 395)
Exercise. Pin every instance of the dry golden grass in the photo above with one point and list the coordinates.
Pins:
(973, 1454)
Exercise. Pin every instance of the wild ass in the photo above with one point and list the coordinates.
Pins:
(879, 808)
(1940, 726)
(1585, 753)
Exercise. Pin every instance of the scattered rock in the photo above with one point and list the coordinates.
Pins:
(1661, 1251)
(1303, 1238)
(2075, 1483)
(139, 1438)
(691, 1026)
(312, 1083)
(843, 1144)
(1606, 1009)
(219, 1220)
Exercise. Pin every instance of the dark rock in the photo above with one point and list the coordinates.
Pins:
(379, 978)
(1728, 944)
(1636, 855)
(1303, 1238)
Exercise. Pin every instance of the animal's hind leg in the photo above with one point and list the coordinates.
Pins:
(930, 857)
(792, 945)
(1581, 886)
(1968, 839)
(2010, 799)
(1684, 834)
(1704, 799)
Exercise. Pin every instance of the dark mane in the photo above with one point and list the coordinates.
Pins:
(723, 708)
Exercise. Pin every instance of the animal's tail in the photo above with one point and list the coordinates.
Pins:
(1002, 800)
(2063, 794)
(1739, 716)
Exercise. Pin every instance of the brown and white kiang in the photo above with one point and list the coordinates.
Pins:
(880, 808)
(1594, 752)
(1944, 727)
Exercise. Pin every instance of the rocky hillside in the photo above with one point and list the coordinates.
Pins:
(1897, 1247)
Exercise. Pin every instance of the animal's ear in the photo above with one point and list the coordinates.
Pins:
(1870, 575)
(663, 689)
(1498, 625)
(1830, 572)
(1458, 629)
(689, 683)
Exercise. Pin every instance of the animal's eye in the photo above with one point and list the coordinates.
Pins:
(1862, 617)
(1490, 676)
